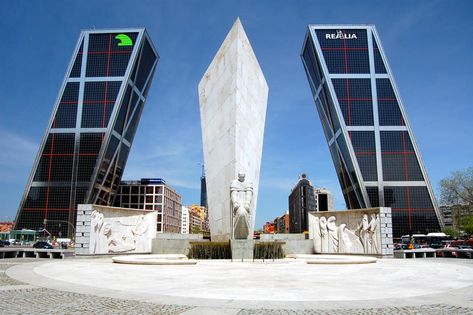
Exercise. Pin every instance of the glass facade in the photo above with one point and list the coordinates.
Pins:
(85, 148)
(372, 146)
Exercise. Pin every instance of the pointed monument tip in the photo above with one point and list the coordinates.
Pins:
(237, 22)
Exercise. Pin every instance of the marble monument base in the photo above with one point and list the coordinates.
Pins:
(242, 249)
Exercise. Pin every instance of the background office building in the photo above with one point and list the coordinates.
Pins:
(184, 220)
(85, 147)
(269, 228)
(453, 214)
(153, 194)
(194, 219)
(301, 202)
(281, 224)
(373, 148)
(323, 199)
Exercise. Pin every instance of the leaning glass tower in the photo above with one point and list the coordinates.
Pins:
(85, 148)
(376, 157)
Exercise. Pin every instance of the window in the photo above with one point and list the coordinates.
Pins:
(378, 61)
(399, 158)
(364, 146)
(388, 107)
(105, 58)
(412, 210)
(66, 113)
(98, 103)
(345, 53)
(312, 65)
(355, 99)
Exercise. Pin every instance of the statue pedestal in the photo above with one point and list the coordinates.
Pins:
(242, 249)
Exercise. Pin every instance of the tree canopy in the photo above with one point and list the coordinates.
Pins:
(466, 224)
(458, 188)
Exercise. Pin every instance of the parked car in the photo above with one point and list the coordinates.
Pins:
(400, 246)
(436, 245)
(42, 245)
(5, 242)
(423, 246)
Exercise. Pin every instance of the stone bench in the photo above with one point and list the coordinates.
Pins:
(416, 253)
(34, 253)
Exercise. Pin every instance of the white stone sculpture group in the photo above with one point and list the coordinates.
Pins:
(241, 195)
(117, 235)
(330, 238)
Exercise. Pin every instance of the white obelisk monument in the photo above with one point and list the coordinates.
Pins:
(233, 95)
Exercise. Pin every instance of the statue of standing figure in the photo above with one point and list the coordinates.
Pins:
(241, 195)
(363, 230)
(374, 235)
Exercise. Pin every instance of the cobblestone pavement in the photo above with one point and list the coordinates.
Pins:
(33, 300)
(4, 279)
(21, 298)
(436, 309)
(46, 301)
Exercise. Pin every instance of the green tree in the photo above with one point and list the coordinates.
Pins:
(195, 230)
(451, 231)
(466, 224)
(458, 188)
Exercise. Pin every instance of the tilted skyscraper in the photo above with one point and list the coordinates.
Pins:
(84, 150)
(371, 142)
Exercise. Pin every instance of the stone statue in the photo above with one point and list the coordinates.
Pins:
(117, 235)
(374, 235)
(349, 242)
(363, 230)
(332, 238)
(316, 236)
(332, 233)
(241, 195)
(98, 240)
(323, 235)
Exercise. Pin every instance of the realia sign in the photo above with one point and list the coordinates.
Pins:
(340, 35)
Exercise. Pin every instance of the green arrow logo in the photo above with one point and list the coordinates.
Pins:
(125, 40)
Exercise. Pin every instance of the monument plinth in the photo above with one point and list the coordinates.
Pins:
(233, 96)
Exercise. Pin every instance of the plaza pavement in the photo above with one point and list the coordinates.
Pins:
(97, 286)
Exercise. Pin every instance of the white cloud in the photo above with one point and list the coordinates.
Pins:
(17, 154)
(173, 157)
(16, 149)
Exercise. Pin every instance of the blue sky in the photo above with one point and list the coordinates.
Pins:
(428, 44)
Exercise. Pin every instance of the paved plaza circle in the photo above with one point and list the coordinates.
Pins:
(268, 284)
